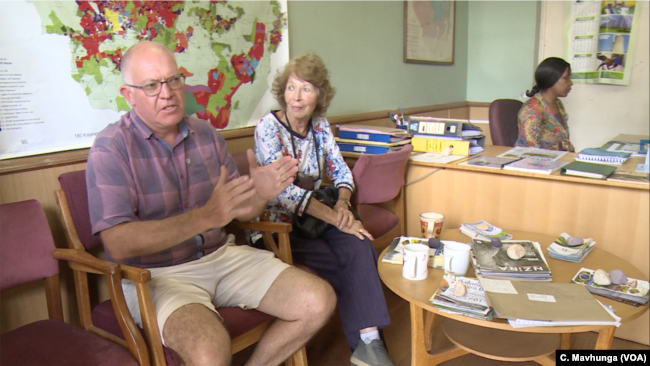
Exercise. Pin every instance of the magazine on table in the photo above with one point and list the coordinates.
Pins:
(560, 249)
(536, 166)
(495, 263)
(483, 230)
(473, 303)
(487, 162)
(634, 290)
(395, 251)
(533, 153)
(630, 176)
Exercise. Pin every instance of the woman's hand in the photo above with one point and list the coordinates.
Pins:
(344, 217)
(357, 230)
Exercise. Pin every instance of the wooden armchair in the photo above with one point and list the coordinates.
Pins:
(245, 326)
(27, 254)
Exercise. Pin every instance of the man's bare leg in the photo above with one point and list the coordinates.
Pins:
(302, 304)
(197, 335)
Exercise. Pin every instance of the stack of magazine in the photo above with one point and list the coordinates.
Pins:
(634, 292)
(483, 230)
(560, 249)
(493, 262)
(395, 251)
(473, 303)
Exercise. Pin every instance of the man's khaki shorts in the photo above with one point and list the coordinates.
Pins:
(230, 276)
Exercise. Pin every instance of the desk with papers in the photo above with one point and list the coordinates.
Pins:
(615, 214)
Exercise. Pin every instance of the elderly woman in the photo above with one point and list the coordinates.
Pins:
(543, 122)
(343, 254)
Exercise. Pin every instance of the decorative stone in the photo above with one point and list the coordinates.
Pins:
(601, 278)
(617, 277)
(496, 242)
(434, 243)
(574, 240)
(516, 251)
(444, 284)
(460, 289)
(447, 151)
(483, 227)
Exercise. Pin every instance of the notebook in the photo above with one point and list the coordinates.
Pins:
(588, 170)
(602, 156)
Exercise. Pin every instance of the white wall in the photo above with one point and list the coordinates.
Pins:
(501, 49)
(598, 113)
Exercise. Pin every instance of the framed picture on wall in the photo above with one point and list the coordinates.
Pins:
(429, 28)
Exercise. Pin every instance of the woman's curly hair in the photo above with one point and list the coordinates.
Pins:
(308, 68)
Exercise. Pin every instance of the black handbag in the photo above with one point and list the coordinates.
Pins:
(309, 227)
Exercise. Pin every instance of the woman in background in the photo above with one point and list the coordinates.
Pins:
(343, 255)
(543, 122)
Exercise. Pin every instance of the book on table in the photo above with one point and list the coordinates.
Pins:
(630, 176)
(561, 249)
(533, 153)
(602, 156)
(588, 170)
(634, 291)
(487, 162)
(535, 166)
(472, 304)
(395, 252)
(494, 262)
(456, 145)
(483, 230)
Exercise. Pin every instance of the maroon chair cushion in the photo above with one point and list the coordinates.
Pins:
(236, 320)
(27, 244)
(74, 186)
(379, 178)
(504, 124)
(51, 342)
(378, 221)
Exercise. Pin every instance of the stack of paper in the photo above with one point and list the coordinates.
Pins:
(473, 303)
(633, 292)
(494, 262)
(395, 252)
(526, 303)
(560, 249)
(483, 230)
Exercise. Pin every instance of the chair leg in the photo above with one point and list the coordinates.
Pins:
(297, 359)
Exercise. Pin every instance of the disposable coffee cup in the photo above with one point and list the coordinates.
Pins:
(416, 262)
(431, 224)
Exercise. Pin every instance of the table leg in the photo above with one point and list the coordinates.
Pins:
(419, 354)
(605, 338)
(428, 331)
(565, 341)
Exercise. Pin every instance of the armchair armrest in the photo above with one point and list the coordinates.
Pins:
(83, 261)
(282, 248)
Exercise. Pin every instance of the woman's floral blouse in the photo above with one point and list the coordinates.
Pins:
(539, 127)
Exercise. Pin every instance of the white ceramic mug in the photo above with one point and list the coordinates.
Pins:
(416, 262)
(456, 257)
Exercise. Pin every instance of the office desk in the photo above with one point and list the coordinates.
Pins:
(493, 335)
(615, 214)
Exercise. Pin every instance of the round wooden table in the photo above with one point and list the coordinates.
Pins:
(418, 293)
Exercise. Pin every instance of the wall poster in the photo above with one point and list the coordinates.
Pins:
(429, 32)
(601, 38)
(59, 64)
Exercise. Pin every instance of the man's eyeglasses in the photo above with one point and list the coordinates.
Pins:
(153, 89)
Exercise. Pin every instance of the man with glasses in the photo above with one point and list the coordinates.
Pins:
(161, 187)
